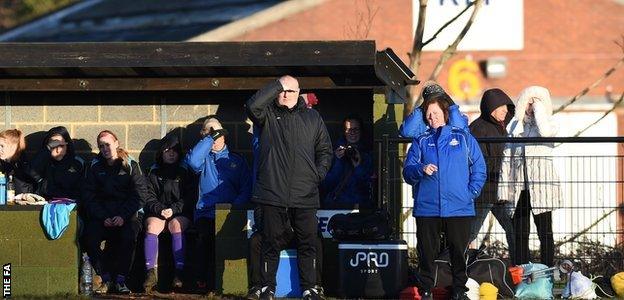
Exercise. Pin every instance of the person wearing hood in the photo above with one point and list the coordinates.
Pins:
(170, 199)
(114, 191)
(294, 155)
(57, 170)
(446, 170)
(348, 182)
(528, 173)
(224, 177)
(414, 125)
(497, 110)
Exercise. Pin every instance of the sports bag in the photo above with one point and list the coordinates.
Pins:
(480, 267)
(360, 226)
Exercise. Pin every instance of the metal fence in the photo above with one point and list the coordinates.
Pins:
(588, 223)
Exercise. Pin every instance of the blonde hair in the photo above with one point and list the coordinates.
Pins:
(121, 153)
(15, 137)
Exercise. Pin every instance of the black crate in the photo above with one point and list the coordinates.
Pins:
(372, 269)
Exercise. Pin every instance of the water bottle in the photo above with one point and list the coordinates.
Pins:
(2, 189)
(86, 278)
(10, 191)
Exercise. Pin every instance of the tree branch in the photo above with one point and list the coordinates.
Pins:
(597, 82)
(415, 55)
(603, 116)
(578, 234)
(451, 50)
(590, 87)
(435, 35)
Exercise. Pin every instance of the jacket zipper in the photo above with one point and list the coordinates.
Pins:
(438, 174)
(291, 161)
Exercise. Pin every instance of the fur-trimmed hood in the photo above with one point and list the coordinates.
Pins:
(538, 92)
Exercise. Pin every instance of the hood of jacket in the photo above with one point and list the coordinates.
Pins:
(538, 92)
(491, 100)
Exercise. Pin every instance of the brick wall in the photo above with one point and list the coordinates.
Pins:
(567, 44)
(140, 119)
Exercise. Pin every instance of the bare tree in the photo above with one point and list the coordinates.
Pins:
(363, 23)
(418, 45)
(604, 76)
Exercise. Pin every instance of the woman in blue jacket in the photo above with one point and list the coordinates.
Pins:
(415, 124)
(447, 171)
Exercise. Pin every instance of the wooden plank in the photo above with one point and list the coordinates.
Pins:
(171, 84)
(186, 54)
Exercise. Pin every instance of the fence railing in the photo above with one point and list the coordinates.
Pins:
(588, 216)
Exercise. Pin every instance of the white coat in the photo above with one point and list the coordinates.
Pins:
(543, 181)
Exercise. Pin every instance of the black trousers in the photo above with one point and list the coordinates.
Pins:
(522, 227)
(120, 245)
(205, 252)
(304, 224)
(457, 233)
(255, 257)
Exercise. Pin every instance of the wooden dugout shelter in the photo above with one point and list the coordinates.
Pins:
(143, 90)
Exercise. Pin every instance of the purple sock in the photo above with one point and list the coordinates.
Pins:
(177, 244)
(151, 250)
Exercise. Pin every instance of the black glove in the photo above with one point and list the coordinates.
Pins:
(55, 143)
(215, 134)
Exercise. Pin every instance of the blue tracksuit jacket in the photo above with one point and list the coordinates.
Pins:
(450, 191)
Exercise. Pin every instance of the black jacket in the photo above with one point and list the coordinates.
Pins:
(111, 191)
(19, 170)
(487, 126)
(62, 179)
(172, 187)
(295, 151)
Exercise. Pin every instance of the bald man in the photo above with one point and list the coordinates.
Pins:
(295, 153)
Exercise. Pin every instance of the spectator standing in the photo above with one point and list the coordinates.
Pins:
(447, 171)
(294, 156)
(528, 174)
(497, 110)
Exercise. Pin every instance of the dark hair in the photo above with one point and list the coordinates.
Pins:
(168, 142)
(353, 117)
(62, 131)
(121, 153)
(441, 100)
(364, 143)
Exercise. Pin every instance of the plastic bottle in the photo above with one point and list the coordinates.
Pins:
(86, 276)
(3, 194)
(10, 191)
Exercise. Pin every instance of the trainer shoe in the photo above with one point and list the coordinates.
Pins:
(122, 288)
(312, 294)
(267, 294)
(254, 293)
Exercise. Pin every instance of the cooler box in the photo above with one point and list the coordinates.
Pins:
(287, 278)
(375, 269)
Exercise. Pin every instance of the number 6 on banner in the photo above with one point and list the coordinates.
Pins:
(463, 79)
